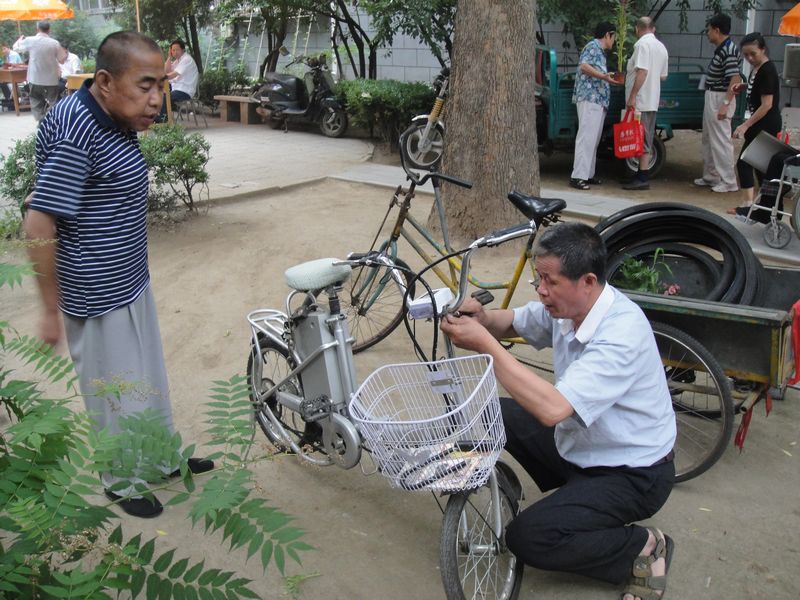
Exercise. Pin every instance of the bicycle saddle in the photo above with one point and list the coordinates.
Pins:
(316, 274)
(536, 208)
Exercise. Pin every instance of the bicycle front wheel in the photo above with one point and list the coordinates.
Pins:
(474, 561)
(372, 300)
(701, 397)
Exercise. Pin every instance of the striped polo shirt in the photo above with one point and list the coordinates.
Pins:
(726, 63)
(93, 179)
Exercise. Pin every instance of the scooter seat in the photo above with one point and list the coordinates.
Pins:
(316, 274)
(292, 111)
(536, 208)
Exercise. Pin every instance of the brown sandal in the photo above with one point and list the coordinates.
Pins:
(644, 584)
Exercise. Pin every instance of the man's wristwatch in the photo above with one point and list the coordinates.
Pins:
(726, 102)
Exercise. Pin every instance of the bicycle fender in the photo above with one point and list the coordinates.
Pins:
(330, 102)
(424, 118)
(342, 441)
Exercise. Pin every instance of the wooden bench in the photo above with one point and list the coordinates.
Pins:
(237, 108)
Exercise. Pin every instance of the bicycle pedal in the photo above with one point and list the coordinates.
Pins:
(483, 296)
(315, 409)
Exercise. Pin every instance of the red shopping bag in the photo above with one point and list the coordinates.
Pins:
(628, 137)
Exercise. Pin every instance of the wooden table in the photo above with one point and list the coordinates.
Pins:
(74, 82)
(14, 76)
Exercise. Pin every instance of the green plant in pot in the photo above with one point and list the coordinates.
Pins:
(622, 39)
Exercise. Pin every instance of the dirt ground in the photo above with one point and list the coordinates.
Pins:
(736, 527)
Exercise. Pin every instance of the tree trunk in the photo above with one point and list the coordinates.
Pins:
(194, 41)
(490, 116)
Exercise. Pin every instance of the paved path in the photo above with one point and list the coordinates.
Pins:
(249, 160)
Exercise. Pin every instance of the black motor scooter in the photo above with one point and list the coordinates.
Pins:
(284, 97)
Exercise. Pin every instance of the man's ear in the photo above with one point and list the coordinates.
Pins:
(103, 80)
(590, 279)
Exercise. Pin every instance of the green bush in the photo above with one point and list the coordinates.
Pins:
(18, 171)
(177, 161)
(60, 538)
(219, 82)
(385, 107)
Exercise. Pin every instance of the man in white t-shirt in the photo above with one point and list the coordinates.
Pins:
(647, 68)
(182, 72)
(44, 54)
(70, 65)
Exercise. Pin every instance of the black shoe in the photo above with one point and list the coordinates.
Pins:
(579, 184)
(636, 184)
(594, 181)
(137, 507)
(196, 466)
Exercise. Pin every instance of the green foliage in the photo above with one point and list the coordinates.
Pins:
(177, 161)
(623, 31)
(634, 274)
(220, 82)
(18, 170)
(10, 224)
(80, 34)
(429, 21)
(386, 105)
(60, 542)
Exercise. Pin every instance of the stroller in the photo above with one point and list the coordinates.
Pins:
(758, 154)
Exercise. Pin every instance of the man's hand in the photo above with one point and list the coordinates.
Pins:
(471, 307)
(50, 327)
(723, 113)
(631, 103)
(466, 332)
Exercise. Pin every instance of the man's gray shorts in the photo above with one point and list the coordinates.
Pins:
(648, 121)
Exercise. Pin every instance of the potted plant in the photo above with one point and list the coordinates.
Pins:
(622, 35)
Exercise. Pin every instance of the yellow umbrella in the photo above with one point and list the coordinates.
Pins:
(790, 23)
(34, 10)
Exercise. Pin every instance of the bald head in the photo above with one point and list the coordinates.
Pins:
(645, 24)
(115, 51)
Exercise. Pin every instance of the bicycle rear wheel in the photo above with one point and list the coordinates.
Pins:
(701, 397)
(372, 300)
(475, 563)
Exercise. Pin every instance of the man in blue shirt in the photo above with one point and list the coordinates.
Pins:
(9, 58)
(88, 211)
(590, 97)
(602, 436)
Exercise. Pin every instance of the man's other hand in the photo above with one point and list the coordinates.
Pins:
(466, 331)
(50, 328)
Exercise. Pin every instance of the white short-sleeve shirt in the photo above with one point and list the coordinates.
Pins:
(650, 54)
(188, 75)
(610, 371)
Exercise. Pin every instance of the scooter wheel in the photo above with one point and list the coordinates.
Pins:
(333, 123)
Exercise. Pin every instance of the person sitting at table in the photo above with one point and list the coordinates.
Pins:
(9, 58)
(182, 73)
(71, 65)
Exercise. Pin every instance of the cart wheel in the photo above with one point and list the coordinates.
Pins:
(701, 397)
(777, 235)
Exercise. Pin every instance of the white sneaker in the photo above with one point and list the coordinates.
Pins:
(725, 187)
(704, 182)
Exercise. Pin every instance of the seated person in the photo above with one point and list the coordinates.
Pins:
(9, 58)
(182, 73)
(768, 192)
(602, 437)
(71, 65)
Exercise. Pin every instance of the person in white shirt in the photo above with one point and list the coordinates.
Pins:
(44, 68)
(647, 68)
(182, 72)
(9, 58)
(70, 65)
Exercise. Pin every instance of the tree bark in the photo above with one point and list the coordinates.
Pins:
(490, 116)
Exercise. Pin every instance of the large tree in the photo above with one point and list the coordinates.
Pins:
(490, 118)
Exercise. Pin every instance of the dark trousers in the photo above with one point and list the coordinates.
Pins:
(584, 525)
(175, 96)
(745, 171)
(768, 193)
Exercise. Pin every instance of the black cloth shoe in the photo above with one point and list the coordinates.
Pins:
(579, 184)
(594, 181)
(196, 466)
(636, 184)
(137, 507)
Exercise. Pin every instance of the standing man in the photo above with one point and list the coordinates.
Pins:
(9, 58)
(722, 77)
(602, 436)
(647, 68)
(88, 212)
(44, 68)
(591, 96)
(182, 72)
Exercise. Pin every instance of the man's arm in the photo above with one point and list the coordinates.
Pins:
(730, 96)
(638, 82)
(589, 70)
(40, 230)
(537, 396)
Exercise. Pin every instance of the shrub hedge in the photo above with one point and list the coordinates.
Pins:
(384, 107)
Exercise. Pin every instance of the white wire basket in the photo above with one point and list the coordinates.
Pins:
(432, 426)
